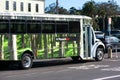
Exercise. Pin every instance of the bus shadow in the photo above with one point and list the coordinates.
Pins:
(55, 63)
(8, 66)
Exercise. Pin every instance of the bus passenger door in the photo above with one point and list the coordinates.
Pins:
(87, 41)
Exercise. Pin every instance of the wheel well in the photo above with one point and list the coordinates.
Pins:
(101, 47)
(28, 52)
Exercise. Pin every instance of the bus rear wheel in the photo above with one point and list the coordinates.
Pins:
(75, 58)
(26, 61)
(99, 54)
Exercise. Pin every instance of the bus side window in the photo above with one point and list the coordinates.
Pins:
(17, 26)
(4, 27)
(61, 27)
(48, 28)
(74, 27)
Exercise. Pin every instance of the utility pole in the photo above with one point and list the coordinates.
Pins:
(57, 7)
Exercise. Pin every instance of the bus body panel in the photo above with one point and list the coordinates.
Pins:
(44, 46)
(95, 46)
(90, 43)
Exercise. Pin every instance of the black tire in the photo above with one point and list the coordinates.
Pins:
(99, 54)
(75, 58)
(26, 61)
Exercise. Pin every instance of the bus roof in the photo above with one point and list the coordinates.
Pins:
(57, 17)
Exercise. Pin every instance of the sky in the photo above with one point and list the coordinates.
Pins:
(78, 4)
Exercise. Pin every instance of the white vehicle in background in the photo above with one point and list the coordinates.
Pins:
(110, 41)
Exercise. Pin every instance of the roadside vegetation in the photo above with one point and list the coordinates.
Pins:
(100, 12)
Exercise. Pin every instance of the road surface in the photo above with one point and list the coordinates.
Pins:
(66, 69)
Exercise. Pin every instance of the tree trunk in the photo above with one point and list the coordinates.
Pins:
(78, 44)
(74, 47)
(61, 47)
(45, 47)
(40, 41)
(52, 42)
(1, 47)
(13, 47)
(34, 44)
(23, 41)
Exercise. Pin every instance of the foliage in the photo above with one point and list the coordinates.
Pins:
(74, 11)
(89, 9)
(52, 9)
(109, 8)
(62, 10)
(98, 11)
(116, 23)
(106, 10)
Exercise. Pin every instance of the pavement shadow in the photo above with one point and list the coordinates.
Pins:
(14, 65)
(9, 65)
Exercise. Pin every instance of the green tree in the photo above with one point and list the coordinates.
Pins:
(52, 9)
(105, 10)
(89, 9)
(74, 11)
(1, 47)
(62, 10)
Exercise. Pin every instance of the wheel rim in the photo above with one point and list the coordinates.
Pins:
(26, 61)
(100, 55)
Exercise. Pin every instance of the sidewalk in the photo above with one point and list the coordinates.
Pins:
(115, 55)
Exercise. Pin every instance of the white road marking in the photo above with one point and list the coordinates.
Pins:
(86, 67)
(64, 70)
(111, 69)
(105, 78)
(28, 74)
(114, 60)
(31, 74)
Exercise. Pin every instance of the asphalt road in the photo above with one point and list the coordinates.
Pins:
(66, 69)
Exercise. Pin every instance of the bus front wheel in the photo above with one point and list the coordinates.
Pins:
(99, 54)
(26, 61)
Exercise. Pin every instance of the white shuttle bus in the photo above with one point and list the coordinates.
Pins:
(27, 37)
